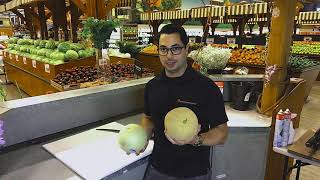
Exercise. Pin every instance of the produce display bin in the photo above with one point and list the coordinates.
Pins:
(33, 77)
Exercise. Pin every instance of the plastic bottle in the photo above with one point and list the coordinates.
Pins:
(286, 127)
(277, 138)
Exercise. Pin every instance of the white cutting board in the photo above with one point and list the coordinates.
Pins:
(99, 158)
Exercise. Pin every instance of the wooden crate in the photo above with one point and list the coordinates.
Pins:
(65, 87)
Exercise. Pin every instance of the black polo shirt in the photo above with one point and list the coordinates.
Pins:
(192, 90)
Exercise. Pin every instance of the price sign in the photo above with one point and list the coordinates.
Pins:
(34, 63)
(247, 97)
(4, 54)
(192, 40)
(231, 40)
(138, 71)
(24, 59)
(210, 40)
(307, 39)
(10, 56)
(47, 68)
(17, 58)
(102, 62)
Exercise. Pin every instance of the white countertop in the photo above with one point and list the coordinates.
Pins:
(250, 118)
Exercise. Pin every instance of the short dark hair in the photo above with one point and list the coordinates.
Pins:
(171, 29)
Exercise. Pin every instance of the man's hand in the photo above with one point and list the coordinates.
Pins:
(139, 152)
(181, 142)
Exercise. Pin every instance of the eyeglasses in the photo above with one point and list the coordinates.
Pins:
(163, 51)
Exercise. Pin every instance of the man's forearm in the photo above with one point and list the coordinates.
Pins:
(215, 136)
(147, 124)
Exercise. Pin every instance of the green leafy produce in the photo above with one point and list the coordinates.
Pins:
(17, 47)
(57, 62)
(82, 54)
(99, 31)
(298, 63)
(42, 52)
(306, 48)
(128, 47)
(13, 40)
(57, 56)
(76, 46)
(64, 47)
(50, 45)
(43, 43)
(49, 52)
(11, 46)
(71, 54)
(211, 58)
(36, 42)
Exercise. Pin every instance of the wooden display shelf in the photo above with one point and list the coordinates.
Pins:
(121, 60)
(150, 61)
(45, 70)
(29, 83)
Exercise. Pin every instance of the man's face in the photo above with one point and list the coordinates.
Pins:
(173, 54)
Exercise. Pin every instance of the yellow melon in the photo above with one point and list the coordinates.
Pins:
(181, 124)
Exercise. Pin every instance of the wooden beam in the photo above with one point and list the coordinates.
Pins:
(29, 23)
(43, 22)
(111, 4)
(75, 14)
(278, 54)
(80, 5)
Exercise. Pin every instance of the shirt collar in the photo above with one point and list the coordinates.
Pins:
(187, 75)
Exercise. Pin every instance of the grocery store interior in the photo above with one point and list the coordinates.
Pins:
(70, 67)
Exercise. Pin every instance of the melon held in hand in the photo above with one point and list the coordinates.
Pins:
(132, 138)
(181, 124)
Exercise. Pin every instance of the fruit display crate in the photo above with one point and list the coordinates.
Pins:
(65, 87)
(45, 70)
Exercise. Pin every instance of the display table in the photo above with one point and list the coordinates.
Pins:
(300, 160)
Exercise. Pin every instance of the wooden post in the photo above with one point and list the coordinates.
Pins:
(261, 25)
(213, 27)
(97, 8)
(75, 14)
(43, 24)
(251, 26)
(58, 9)
(234, 28)
(29, 22)
(178, 22)
(205, 29)
(278, 53)
(155, 29)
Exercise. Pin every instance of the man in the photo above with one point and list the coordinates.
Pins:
(180, 85)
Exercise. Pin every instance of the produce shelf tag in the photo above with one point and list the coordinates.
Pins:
(231, 40)
(17, 58)
(4, 54)
(307, 39)
(34, 63)
(10, 56)
(24, 59)
(210, 40)
(47, 68)
(247, 97)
